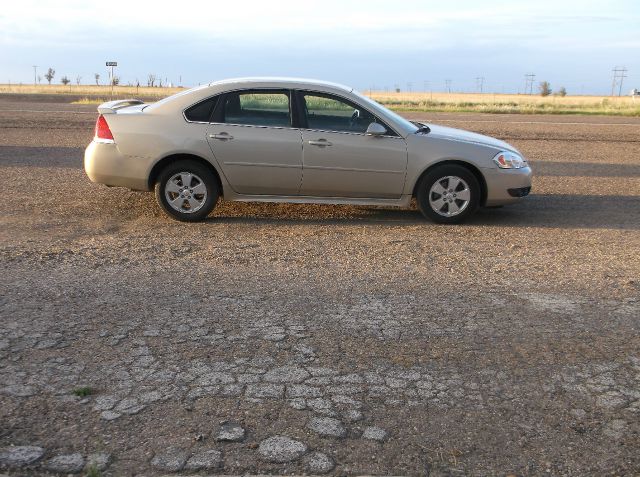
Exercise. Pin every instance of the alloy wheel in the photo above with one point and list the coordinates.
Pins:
(185, 192)
(449, 196)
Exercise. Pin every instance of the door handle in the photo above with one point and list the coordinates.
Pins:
(221, 136)
(320, 142)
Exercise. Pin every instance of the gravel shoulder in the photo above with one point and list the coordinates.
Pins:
(279, 338)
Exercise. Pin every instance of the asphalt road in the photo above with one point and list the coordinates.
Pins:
(348, 340)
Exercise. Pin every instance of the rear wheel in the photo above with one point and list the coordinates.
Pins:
(187, 191)
(448, 194)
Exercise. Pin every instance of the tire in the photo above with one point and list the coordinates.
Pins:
(193, 202)
(444, 204)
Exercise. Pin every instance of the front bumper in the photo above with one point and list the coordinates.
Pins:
(104, 163)
(506, 186)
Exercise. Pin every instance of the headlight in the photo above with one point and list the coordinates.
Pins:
(509, 160)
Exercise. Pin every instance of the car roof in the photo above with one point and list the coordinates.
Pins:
(279, 82)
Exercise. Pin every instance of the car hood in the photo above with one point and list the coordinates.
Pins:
(469, 137)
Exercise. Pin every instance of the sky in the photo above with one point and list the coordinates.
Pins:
(375, 44)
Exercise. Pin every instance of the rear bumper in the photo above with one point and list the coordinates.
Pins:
(506, 186)
(104, 164)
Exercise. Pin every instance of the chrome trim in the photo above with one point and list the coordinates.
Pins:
(254, 126)
(193, 122)
(349, 133)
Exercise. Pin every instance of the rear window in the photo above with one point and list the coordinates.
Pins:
(263, 108)
(202, 111)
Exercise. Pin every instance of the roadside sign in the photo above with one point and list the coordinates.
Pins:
(112, 63)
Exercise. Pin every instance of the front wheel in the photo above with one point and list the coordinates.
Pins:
(187, 191)
(448, 194)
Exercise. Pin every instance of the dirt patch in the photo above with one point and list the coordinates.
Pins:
(349, 340)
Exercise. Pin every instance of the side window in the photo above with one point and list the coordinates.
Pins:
(201, 112)
(332, 114)
(257, 109)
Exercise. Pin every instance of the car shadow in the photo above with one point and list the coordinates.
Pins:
(538, 210)
(29, 156)
(584, 169)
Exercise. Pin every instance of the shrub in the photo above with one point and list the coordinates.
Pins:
(544, 88)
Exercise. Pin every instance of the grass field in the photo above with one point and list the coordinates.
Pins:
(419, 102)
(91, 92)
(509, 103)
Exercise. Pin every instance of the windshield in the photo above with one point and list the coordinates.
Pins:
(408, 126)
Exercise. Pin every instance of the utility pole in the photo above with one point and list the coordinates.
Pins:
(426, 85)
(35, 74)
(619, 74)
(479, 83)
(529, 79)
(447, 83)
(409, 86)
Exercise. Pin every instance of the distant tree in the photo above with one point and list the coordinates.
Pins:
(151, 80)
(562, 92)
(50, 74)
(115, 81)
(39, 79)
(78, 79)
(65, 81)
(545, 88)
(97, 77)
(159, 82)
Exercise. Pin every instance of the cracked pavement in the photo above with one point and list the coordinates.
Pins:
(321, 339)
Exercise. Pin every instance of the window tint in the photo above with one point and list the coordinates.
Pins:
(201, 112)
(258, 109)
(332, 114)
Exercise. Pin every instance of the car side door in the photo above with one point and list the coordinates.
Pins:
(253, 140)
(339, 158)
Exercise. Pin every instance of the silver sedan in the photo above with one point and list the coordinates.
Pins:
(287, 140)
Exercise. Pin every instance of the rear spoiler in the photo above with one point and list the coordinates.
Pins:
(111, 107)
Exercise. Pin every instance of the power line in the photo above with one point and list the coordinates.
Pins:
(529, 79)
(479, 83)
(619, 74)
(447, 83)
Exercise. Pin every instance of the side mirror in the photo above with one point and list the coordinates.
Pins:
(376, 129)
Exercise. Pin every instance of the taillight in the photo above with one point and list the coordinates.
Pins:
(103, 133)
